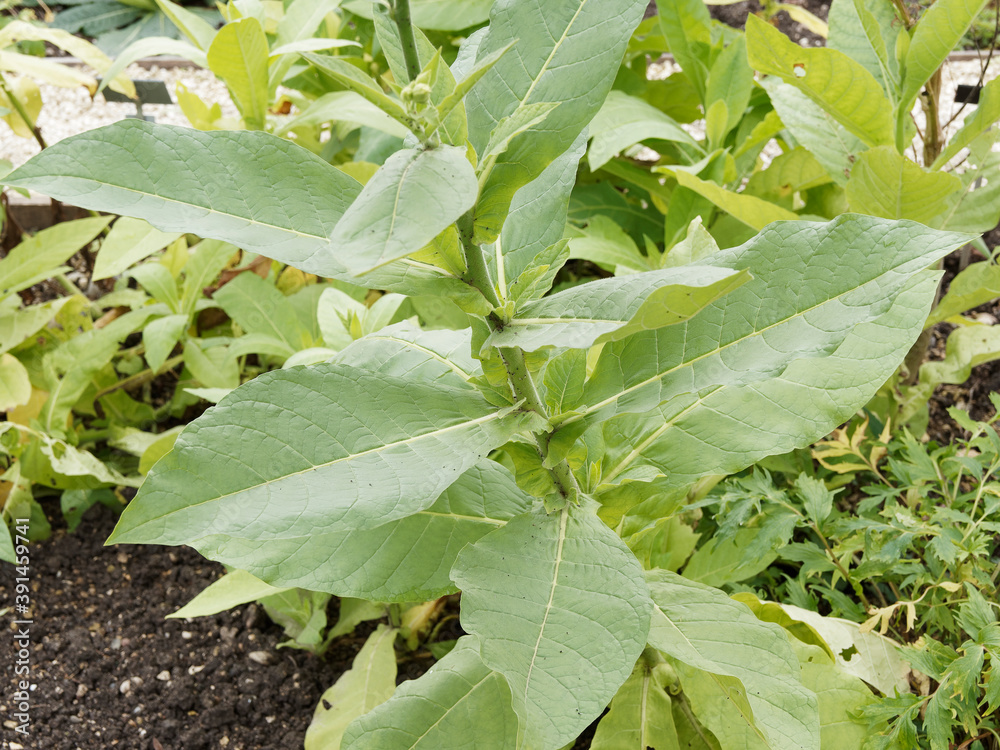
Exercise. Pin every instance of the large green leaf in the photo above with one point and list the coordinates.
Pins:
(720, 703)
(414, 196)
(884, 183)
(938, 32)
(459, 703)
(611, 309)
(624, 120)
(561, 610)
(814, 128)
(702, 627)
(258, 307)
(369, 682)
(405, 560)
(238, 55)
(640, 715)
(831, 331)
(830, 78)
(566, 51)
(252, 189)
(262, 463)
(978, 284)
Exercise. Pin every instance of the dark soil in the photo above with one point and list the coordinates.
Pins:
(735, 15)
(108, 671)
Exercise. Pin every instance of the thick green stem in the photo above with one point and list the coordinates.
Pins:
(524, 388)
(476, 274)
(521, 382)
(407, 39)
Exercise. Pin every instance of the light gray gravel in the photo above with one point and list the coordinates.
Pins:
(66, 112)
(70, 111)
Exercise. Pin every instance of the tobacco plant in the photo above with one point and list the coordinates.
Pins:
(527, 459)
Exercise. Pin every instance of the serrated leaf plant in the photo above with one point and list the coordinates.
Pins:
(518, 458)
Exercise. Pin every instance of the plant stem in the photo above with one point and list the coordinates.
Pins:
(140, 377)
(932, 130)
(518, 375)
(22, 112)
(407, 39)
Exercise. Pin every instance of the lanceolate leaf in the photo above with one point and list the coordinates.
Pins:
(866, 32)
(37, 258)
(640, 716)
(252, 189)
(328, 448)
(401, 561)
(816, 351)
(238, 55)
(369, 682)
(702, 627)
(459, 703)
(414, 196)
(541, 593)
(611, 309)
(884, 183)
(830, 78)
(939, 31)
(790, 310)
(817, 130)
(566, 51)
(753, 211)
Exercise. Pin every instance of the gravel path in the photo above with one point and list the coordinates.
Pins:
(70, 111)
(66, 112)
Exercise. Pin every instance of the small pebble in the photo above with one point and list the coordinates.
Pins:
(81, 690)
(193, 670)
(164, 676)
(261, 657)
(125, 688)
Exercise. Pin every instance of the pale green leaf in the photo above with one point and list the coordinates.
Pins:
(354, 80)
(18, 324)
(567, 52)
(702, 627)
(191, 25)
(537, 218)
(414, 196)
(252, 189)
(161, 336)
(755, 212)
(611, 309)
(731, 81)
(323, 426)
(938, 32)
(720, 703)
(233, 589)
(205, 262)
(830, 142)
(868, 656)
(640, 715)
(152, 47)
(715, 383)
(369, 682)
(866, 31)
(238, 55)
(38, 257)
(978, 284)
(605, 243)
(976, 207)
(258, 307)
(7, 553)
(405, 560)
(884, 183)
(128, 242)
(211, 366)
(15, 386)
(442, 15)
(157, 280)
(687, 27)
(539, 612)
(404, 350)
(840, 695)
(459, 703)
(624, 120)
(841, 86)
(301, 19)
(343, 106)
